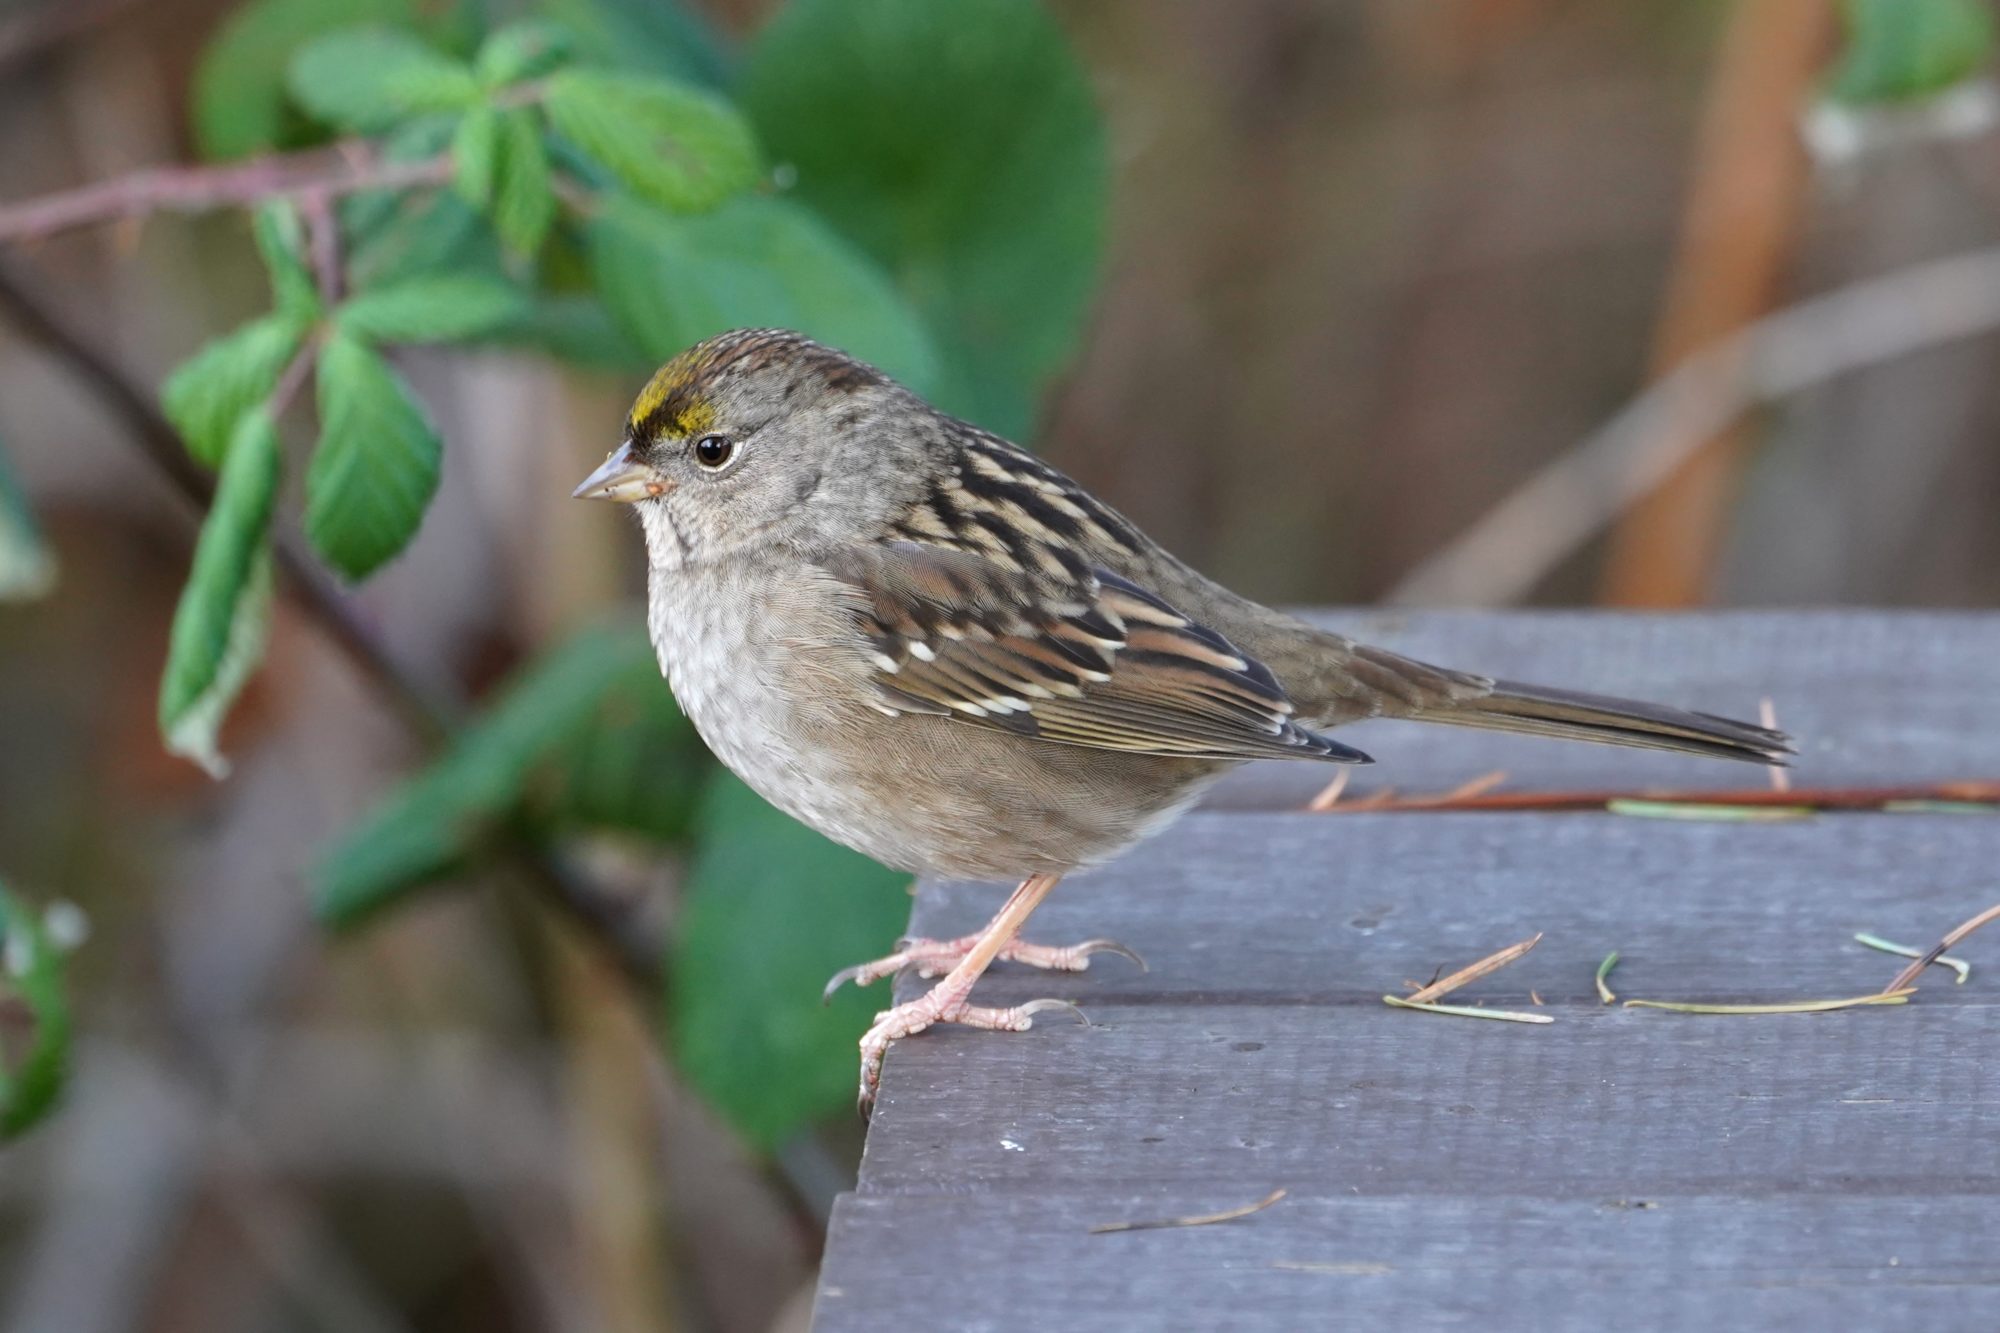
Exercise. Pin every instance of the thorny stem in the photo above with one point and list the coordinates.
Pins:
(347, 167)
(323, 240)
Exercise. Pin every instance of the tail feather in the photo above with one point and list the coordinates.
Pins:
(1538, 710)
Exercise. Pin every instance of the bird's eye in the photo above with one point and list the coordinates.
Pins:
(714, 451)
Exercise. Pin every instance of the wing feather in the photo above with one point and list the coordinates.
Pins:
(1095, 661)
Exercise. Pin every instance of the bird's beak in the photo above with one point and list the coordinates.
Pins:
(624, 478)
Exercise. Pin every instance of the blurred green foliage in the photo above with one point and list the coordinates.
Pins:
(34, 1017)
(27, 569)
(606, 182)
(958, 145)
(1901, 50)
(771, 911)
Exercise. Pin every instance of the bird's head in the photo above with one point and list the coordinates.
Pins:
(759, 435)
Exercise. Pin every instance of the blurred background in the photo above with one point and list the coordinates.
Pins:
(473, 998)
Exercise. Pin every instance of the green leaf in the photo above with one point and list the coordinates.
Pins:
(436, 821)
(1900, 50)
(208, 394)
(397, 234)
(240, 105)
(523, 50)
(371, 79)
(672, 145)
(444, 307)
(376, 465)
(27, 568)
(755, 262)
(649, 36)
(771, 910)
(219, 627)
(958, 144)
(578, 329)
(281, 240)
(502, 168)
(32, 1072)
(635, 765)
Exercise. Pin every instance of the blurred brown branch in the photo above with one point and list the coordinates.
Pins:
(1738, 230)
(31, 32)
(1501, 557)
(344, 168)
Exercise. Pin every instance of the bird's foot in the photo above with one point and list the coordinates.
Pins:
(944, 1003)
(934, 958)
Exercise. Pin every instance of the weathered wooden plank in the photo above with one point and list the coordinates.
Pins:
(1236, 907)
(1804, 1171)
(1004, 1263)
(1235, 1100)
(1874, 697)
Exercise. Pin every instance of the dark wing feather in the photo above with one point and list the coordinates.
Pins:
(1095, 661)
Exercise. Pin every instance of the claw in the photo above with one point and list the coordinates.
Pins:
(841, 978)
(1089, 947)
(1028, 1011)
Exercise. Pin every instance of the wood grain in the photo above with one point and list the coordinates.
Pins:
(1618, 1167)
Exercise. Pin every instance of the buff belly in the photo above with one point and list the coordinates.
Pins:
(791, 717)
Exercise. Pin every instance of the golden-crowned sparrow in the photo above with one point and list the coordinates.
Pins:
(935, 648)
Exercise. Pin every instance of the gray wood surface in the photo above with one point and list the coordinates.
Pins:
(1618, 1167)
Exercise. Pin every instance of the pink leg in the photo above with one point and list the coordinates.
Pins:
(934, 958)
(946, 1001)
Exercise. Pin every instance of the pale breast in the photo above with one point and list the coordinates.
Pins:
(766, 664)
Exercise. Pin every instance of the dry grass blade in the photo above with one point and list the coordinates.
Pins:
(1201, 1220)
(1958, 965)
(1478, 786)
(1793, 1007)
(1749, 814)
(1329, 795)
(1491, 963)
(1916, 969)
(1604, 991)
(1466, 1011)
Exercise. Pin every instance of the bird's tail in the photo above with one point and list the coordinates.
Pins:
(1539, 710)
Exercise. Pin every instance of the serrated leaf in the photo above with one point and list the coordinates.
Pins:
(437, 820)
(475, 156)
(1899, 50)
(208, 394)
(755, 262)
(281, 240)
(959, 146)
(675, 146)
(376, 465)
(770, 911)
(443, 307)
(240, 105)
(27, 569)
(502, 168)
(220, 624)
(34, 1064)
(370, 79)
(523, 50)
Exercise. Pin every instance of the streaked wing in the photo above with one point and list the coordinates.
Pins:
(1096, 660)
